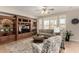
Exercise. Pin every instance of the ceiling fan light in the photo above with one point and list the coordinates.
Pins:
(46, 12)
(42, 12)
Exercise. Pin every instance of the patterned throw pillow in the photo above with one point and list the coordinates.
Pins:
(35, 48)
(46, 47)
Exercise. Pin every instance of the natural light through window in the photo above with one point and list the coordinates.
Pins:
(52, 22)
(62, 22)
(40, 24)
(46, 24)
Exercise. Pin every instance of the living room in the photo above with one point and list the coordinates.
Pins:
(39, 29)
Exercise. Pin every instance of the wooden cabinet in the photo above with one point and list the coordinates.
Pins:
(34, 26)
(17, 33)
(24, 35)
(6, 39)
(23, 27)
(9, 35)
(3, 39)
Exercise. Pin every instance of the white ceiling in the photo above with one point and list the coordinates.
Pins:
(35, 10)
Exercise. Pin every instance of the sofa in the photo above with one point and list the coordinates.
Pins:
(50, 45)
(48, 32)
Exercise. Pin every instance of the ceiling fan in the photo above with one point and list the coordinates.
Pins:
(46, 10)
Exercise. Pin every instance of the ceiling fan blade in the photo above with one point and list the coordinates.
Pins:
(51, 9)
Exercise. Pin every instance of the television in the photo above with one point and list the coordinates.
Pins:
(25, 29)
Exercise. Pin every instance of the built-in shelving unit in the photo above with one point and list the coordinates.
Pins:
(34, 26)
(15, 27)
(24, 27)
(7, 29)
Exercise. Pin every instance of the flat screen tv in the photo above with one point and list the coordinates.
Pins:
(25, 29)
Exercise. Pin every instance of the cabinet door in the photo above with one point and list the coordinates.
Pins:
(20, 36)
(11, 37)
(6, 39)
(3, 39)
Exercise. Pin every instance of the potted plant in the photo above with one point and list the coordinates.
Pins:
(68, 34)
(6, 29)
(6, 23)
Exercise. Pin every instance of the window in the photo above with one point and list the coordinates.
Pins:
(62, 22)
(46, 24)
(40, 24)
(53, 23)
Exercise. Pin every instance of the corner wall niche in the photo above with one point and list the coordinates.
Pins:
(6, 29)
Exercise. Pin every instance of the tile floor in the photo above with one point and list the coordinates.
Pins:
(71, 47)
(23, 46)
(20, 46)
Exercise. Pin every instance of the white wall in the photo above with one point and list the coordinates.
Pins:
(72, 27)
(69, 26)
(13, 10)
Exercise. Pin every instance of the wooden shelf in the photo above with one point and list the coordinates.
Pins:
(24, 22)
(24, 35)
(6, 39)
(17, 20)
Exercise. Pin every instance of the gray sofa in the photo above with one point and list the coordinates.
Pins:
(46, 32)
